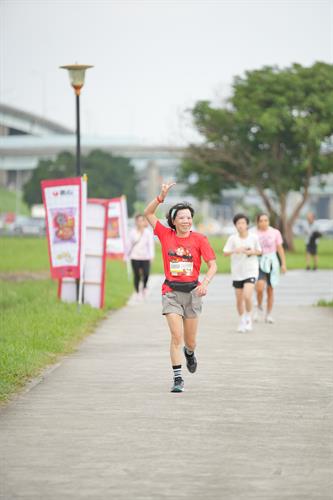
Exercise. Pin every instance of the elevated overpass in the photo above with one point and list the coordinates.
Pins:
(26, 138)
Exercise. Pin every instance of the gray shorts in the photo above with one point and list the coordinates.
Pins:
(187, 305)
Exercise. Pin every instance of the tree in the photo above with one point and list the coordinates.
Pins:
(108, 176)
(272, 134)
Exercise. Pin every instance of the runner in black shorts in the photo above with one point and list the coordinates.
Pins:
(244, 248)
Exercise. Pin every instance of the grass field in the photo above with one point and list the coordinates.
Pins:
(295, 260)
(36, 328)
(325, 303)
(30, 254)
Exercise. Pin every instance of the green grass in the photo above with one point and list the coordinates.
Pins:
(8, 202)
(30, 254)
(295, 260)
(325, 303)
(23, 254)
(36, 328)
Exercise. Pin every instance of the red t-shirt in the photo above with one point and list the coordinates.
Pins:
(182, 256)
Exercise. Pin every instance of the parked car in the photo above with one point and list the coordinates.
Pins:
(27, 226)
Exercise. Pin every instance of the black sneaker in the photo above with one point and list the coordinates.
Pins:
(178, 385)
(191, 362)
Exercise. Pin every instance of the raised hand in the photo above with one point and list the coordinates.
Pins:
(165, 189)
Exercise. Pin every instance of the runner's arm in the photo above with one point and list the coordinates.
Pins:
(152, 206)
(282, 255)
(229, 248)
(149, 212)
(212, 270)
(201, 290)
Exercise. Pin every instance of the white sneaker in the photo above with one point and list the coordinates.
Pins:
(135, 299)
(242, 326)
(257, 315)
(248, 325)
(269, 319)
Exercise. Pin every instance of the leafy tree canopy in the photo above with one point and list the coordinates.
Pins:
(273, 134)
(108, 176)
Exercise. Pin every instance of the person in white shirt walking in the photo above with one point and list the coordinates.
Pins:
(141, 252)
(244, 249)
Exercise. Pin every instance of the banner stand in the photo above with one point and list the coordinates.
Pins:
(64, 201)
(117, 237)
(92, 282)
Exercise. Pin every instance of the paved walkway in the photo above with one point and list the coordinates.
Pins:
(255, 421)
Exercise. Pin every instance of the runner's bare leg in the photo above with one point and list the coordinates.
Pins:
(190, 332)
(175, 322)
(248, 293)
(260, 286)
(270, 299)
(239, 301)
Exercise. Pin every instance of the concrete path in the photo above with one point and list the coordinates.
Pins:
(255, 421)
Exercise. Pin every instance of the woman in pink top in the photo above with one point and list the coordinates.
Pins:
(272, 244)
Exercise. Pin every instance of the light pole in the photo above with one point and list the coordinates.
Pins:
(76, 76)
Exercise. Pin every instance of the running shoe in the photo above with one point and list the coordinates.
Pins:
(269, 319)
(241, 327)
(257, 314)
(178, 385)
(248, 325)
(191, 361)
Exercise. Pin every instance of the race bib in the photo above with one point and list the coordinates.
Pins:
(182, 268)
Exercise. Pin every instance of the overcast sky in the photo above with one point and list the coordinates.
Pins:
(153, 58)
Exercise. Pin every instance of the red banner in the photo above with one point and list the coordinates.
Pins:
(63, 201)
(117, 232)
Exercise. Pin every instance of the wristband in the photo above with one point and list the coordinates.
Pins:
(159, 199)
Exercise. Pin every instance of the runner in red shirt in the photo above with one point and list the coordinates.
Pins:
(182, 293)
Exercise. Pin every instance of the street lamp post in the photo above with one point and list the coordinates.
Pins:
(76, 76)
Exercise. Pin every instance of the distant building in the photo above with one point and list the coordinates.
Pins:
(26, 138)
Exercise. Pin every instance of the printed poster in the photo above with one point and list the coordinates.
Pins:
(64, 200)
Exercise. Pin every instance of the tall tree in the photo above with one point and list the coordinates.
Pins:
(273, 134)
(108, 176)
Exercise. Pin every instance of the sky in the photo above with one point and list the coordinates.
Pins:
(153, 59)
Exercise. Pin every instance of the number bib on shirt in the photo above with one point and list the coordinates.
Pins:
(181, 268)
